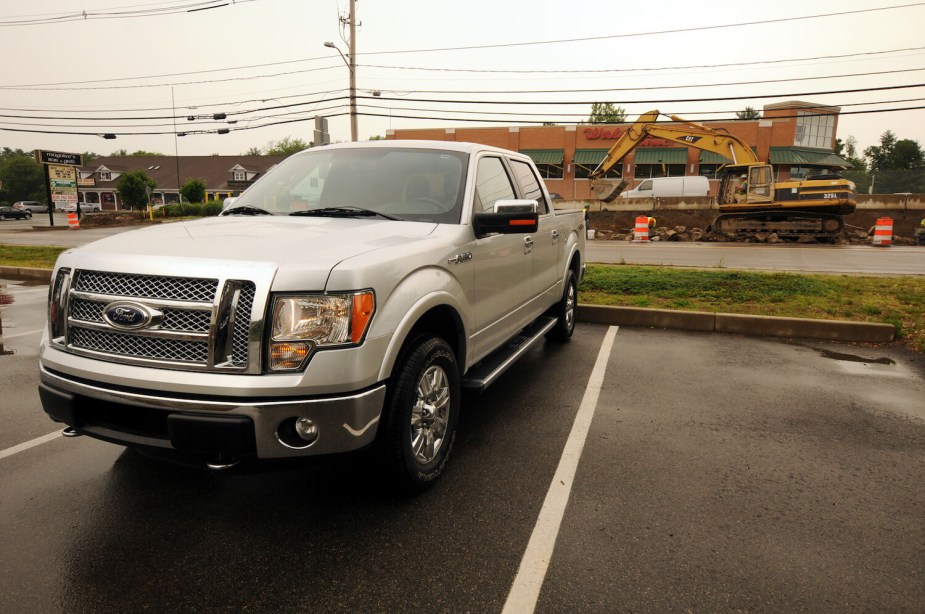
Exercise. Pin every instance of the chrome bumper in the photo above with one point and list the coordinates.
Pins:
(138, 418)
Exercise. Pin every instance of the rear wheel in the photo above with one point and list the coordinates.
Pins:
(422, 410)
(565, 310)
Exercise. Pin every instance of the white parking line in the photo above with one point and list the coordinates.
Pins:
(18, 292)
(31, 332)
(29, 444)
(526, 588)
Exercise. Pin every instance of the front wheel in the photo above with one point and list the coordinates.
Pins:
(28, 216)
(422, 409)
(565, 310)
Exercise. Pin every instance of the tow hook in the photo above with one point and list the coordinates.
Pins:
(222, 462)
(70, 431)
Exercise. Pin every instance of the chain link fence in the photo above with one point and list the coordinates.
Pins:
(887, 182)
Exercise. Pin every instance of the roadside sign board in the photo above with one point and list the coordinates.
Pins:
(57, 157)
(62, 180)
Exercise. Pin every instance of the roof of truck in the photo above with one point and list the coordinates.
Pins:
(411, 144)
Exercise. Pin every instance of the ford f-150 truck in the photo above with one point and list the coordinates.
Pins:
(341, 303)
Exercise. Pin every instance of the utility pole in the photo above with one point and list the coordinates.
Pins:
(353, 70)
(351, 61)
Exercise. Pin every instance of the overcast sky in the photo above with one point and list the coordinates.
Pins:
(123, 69)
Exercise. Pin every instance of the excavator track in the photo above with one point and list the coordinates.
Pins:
(785, 224)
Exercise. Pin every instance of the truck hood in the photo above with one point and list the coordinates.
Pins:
(303, 248)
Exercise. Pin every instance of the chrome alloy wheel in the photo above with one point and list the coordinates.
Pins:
(430, 414)
(570, 307)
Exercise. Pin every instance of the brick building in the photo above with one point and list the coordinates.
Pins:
(798, 138)
(223, 175)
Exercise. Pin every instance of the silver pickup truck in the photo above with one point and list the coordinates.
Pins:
(341, 303)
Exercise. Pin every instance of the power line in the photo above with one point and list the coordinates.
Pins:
(584, 91)
(650, 33)
(670, 87)
(237, 128)
(189, 7)
(572, 71)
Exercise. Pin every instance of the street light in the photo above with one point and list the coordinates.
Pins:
(353, 88)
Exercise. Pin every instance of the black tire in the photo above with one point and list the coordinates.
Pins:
(417, 437)
(2, 218)
(565, 311)
(28, 216)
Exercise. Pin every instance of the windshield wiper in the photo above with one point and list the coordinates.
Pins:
(246, 210)
(343, 211)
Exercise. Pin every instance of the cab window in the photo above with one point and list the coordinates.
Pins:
(491, 184)
(530, 184)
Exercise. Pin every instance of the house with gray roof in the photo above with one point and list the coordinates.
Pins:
(224, 176)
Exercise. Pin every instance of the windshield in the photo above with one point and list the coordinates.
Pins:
(397, 183)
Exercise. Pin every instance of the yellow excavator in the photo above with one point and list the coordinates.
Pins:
(749, 199)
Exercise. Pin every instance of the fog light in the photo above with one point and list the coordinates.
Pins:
(306, 429)
(297, 433)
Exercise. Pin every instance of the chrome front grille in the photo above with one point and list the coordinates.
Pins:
(146, 286)
(193, 323)
(150, 348)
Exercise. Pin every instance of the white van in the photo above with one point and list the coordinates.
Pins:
(659, 187)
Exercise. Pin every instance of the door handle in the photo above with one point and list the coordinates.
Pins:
(555, 236)
(528, 245)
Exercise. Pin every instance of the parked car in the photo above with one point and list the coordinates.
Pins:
(9, 213)
(33, 206)
(84, 208)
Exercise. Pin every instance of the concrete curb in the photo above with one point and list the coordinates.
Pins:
(26, 273)
(760, 326)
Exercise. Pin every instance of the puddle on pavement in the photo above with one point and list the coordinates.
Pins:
(853, 358)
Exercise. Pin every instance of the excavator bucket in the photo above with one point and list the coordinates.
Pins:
(607, 191)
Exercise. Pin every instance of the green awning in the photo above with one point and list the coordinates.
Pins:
(661, 155)
(589, 156)
(806, 157)
(708, 157)
(545, 156)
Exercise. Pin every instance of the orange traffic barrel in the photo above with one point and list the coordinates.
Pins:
(641, 234)
(883, 232)
(72, 221)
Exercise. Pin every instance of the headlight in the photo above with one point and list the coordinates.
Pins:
(302, 323)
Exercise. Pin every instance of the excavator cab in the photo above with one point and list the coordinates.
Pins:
(746, 184)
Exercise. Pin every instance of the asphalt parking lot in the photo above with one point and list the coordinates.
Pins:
(709, 472)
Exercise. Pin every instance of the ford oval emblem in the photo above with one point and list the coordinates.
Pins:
(127, 316)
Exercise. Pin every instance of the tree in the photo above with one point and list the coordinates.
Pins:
(896, 164)
(606, 113)
(119, 152)
(132, 188)
(23, 178)
(142, 152)
(377, 137)
(880, 154)
(253, 151)
(286, 146)
(848, 150)
(749, 113)
(194, 190)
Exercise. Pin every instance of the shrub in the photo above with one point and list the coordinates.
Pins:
(192, 209)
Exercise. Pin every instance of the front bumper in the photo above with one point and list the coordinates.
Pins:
(220, 425)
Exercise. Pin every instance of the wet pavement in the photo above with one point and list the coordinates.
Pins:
(720, 473)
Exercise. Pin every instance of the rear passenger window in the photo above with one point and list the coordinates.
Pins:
(491, 184)
(530, 185)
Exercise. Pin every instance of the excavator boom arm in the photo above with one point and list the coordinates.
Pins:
(690, 134)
